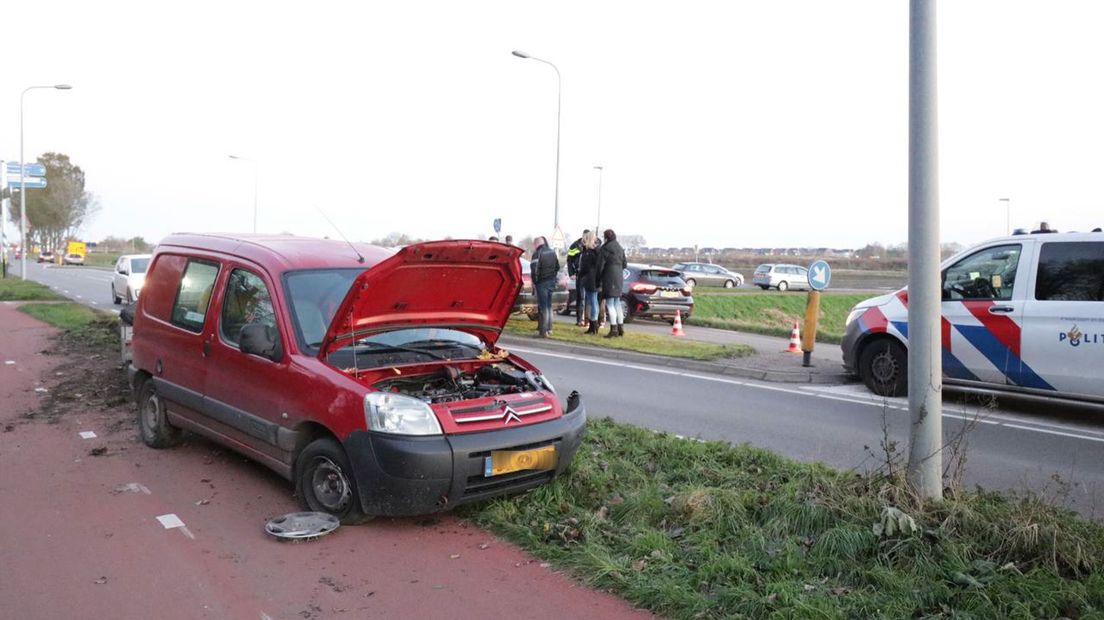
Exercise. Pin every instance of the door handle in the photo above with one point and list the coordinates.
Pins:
(206, 348)
(1001, 309)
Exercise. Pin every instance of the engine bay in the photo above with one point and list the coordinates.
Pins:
(448, 384)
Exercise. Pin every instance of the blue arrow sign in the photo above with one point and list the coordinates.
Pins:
(498, 225)
(820, 274)
(31, 182)
(30, 170)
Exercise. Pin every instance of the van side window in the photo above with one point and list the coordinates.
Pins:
(988, 274)
(1072, 271)
(246, 301)
(194, 295)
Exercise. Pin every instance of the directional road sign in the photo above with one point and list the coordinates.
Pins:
(32, 182)
(819, 275)
(498, 225)
(31, 170)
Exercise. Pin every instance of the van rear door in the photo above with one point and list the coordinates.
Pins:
(1063, 322)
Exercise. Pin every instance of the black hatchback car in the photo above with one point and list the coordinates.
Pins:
(655, 293)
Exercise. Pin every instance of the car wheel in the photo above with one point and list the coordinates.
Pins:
(691, 283)
(115, 299)
(533, 316)
(324, 482)
(782, 286)
(883, 366)
(628, 314)
(129, 297)
(730, 284)
(152, 421)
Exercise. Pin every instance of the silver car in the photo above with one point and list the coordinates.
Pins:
(707, 274)
(781, 277)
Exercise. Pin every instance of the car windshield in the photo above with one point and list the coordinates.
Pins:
(139, 265)
(315, 296)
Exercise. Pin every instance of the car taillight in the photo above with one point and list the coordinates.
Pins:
(640, 287)
(686, 292)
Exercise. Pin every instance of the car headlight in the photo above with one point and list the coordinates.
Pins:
(856, 313)
(386, 412)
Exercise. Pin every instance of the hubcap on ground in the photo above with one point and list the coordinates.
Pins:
(331, 488)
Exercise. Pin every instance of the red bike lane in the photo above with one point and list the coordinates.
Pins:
(79, 534)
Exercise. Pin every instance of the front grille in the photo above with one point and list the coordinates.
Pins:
(478, 485)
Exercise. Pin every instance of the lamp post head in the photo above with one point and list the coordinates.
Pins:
(598, 168)
(520, 54)
(63, 87)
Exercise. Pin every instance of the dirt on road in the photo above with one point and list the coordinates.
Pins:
(81, 497)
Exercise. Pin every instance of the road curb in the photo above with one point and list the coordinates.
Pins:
(716, 368)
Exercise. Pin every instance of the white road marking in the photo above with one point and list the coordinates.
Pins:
(994, 419)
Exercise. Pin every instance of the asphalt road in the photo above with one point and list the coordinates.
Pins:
(1013, 448)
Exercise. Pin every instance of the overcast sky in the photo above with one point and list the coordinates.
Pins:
(732, 123)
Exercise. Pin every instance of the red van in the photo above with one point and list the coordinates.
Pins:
(369, 378)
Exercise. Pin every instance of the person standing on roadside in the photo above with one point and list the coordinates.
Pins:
(587, 281)
(575, 295)
(544, 268)
(611, 277)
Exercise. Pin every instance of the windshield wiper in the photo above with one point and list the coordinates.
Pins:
(438, 343)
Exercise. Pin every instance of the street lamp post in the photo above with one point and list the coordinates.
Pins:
(598, 217)
(254, 187)
(559, 105)
(23, 180)
(1008, 214)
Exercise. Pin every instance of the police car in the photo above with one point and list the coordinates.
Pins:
(1023, 313)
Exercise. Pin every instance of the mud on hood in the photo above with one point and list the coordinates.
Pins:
(465, 285)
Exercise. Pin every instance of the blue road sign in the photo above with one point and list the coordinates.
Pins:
(31, 182)
(819, 275)
(31, 170)
(498, 225)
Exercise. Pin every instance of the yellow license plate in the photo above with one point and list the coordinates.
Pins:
(509, 461)
(669, 294)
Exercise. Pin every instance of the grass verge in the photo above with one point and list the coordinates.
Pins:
(81, 325)
(15, 289)
(773, 314)
(693, 529)
(100, 260)
(635, 341)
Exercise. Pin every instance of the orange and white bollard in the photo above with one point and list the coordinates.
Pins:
(677, 329)
(795, 340)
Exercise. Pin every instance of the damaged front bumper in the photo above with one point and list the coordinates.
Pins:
(403, 475)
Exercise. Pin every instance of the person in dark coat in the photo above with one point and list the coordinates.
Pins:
(544, 269)
(587, 281)
(611, 277)
(575, 295)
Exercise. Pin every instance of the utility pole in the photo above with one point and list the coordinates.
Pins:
(925, 363)
(598, 217)
(1008, 215)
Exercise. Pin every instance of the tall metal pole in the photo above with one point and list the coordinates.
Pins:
(559, 106)
(23, 179)
(925, 364)
(598, 218)
(1008, 215)
(256, 173)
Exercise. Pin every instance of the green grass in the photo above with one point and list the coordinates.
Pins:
(773, 313)
(14, 289)
(635, 341)
(79, 323)
(691, 529)
(100, 260)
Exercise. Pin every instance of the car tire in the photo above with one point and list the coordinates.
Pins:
(783, 287)
(129, 297)
(115, 299)
(883, 366)
(629, 316)
(153, 423)
(765, 287)
(691, 282)
(730, 284)
(324, 482)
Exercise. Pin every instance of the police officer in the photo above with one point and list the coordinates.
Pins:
(575, 296)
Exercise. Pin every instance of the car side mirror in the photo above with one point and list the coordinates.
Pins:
(262, 340)
(124, 271)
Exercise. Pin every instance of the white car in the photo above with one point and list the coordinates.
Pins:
(781, 277)
(1023, 314)
(130, 275)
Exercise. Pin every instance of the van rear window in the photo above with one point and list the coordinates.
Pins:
(194, 295)
(1071, 271)
(763, 269)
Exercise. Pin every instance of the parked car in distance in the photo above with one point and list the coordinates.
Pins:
(129, 277)
(45, 257)
(780, 276)
(73, 259)
(370, 379)
(1021, 314)
(526, 302)
(706, 274)
(656, 293)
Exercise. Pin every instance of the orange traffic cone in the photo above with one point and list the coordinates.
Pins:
(795, 340)
(677, 329)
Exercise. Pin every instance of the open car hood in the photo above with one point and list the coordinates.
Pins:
(465, 285)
